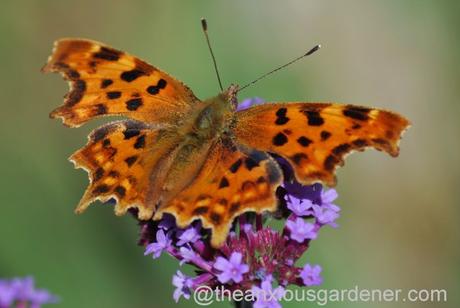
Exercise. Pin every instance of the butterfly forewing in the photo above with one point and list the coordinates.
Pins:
(315, 137)
(106, 81)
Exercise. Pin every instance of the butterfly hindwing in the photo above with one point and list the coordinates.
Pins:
(233, 180)
(315, 137)
(106, 81)
(120, 157)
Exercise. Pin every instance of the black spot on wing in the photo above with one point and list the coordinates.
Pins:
(279, 139)
(325, 135)
(298, 157)
(108, 54)
(341, 149)
(313, 118)
(113, 94)
(100, 189)
(224, 182)
(131, 75)
(155, 89)
(140, 142)
(131, 160)
(234, 207)
(304, 141)
(357, 113)
(330, 162)
(281, 118)
(114, 174)
(360, 143)
(120, 191)
(250, 163)
(200, 210)
(105, 83)
(131, 132)
(101, 109)
(98, 174)
(101, 132)
(78, 90)
(133, 104)
(215, 218)
(235, 166)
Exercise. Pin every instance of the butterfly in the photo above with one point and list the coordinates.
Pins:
(199, 159)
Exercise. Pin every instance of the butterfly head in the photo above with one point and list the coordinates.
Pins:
(231, 93)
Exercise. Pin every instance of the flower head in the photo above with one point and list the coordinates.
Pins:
(249, 102)
(300, 207)
(156, 248)
(311, 275)
(254, 256)
(189, 235)
(23, 290)
(266, 296)
(301, 230)
(183, 285)
(232, 269)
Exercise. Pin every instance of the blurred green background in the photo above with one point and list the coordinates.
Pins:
(399, 226)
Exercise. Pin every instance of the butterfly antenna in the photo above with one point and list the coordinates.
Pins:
(311, 51)
(204, 25)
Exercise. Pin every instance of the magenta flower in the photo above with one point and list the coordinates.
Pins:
(328, 196)
(7, 293)
(300, 207)
(162, 243)
(249, 102)
(22, 291)
(183, 285)
(189, 235)
(301, 230)
(187, 254)
(326, 215)
(266, 296)
(232, 269)
(269, 255)
(311, 275)
(39, 297)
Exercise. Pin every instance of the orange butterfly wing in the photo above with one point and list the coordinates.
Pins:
(106, 81)
(315, 137)
(234, 180)
(120, 158)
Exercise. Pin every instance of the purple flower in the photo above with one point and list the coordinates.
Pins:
(232, 269)
(162, 243)
(300, 207)
(187, 254)
(328, 196)
(301, 230)
(266, 296)
(24, 287)
(22, 290)
(39, 297)
(270, 255)
(326, 215)
(311, 275)
(249, 102)
(7, 293)
(190, 235)
(183, 285)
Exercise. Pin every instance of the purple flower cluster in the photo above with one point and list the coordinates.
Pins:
(21, 292)
(255, 256)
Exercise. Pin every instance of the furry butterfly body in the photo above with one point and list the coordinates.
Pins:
(199, 159)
